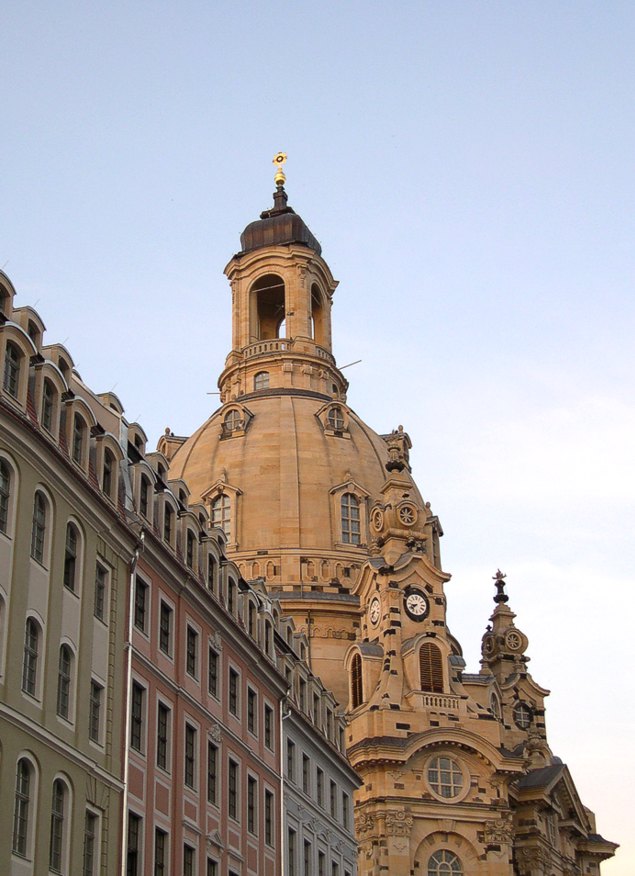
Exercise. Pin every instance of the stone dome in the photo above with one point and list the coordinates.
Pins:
(285, 469)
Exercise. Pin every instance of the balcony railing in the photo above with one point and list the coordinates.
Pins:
(282, 345)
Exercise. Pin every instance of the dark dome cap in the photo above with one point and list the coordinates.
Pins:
(279, 225)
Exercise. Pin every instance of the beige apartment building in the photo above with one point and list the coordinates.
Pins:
(65, 559)
(458, 776)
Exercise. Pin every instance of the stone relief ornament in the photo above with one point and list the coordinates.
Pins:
(216, 732)
(398, 823)
(364, 824)
(500, 831)
(216, 641)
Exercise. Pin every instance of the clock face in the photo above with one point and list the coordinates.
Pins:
(374, 612)
(416, 605)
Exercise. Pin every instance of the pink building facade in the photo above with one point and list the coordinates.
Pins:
(202, 770)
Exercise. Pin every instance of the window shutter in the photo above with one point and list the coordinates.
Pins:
(431, 668)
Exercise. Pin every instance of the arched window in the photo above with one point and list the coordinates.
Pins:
(190, 548)
(31, 655)
(22, 805)
(38, 530)
(251, 622)
(268, 638)
(109, 470)
(5, 495)
(144, 495)
(357, 689)
(233, 421)
(444, 863)
(261, 380)
(168, 516)
(70, 557)
(221, 511)
(12, 361)
(431, 668)
(64, 681)
(350, 519)
(269, 293)
(48, 404)
(58, 814)
(79, 431)
(335, 419)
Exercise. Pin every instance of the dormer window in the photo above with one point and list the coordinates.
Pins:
(144, 495)
(261, 380)
(33, 332)
(232, 421)
(48, 405)
(79, 431)
(190, 547)
(168, 516)
(109, 466)
(12, 361)
(335, 419)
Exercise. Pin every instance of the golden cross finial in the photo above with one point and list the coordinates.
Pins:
(279, 159)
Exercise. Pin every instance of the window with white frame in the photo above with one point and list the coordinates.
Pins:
(221, 513)
(59, 826)
(31, 656)
(261, 380)
(71, 549)
(444, 863)
(137, 716)
(49, 396)
(94, 711)
(78, 439)
(164, 715)
(189, 768)
(64, 680)
(91, 843)
(102, 576)
(350, 519)
(335, 419)
(6, 482)
(12, 364)
(38, 528)
(24, 789)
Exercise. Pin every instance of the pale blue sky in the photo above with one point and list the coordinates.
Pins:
(468, 168)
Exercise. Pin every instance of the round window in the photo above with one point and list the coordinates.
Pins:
(445, 777)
